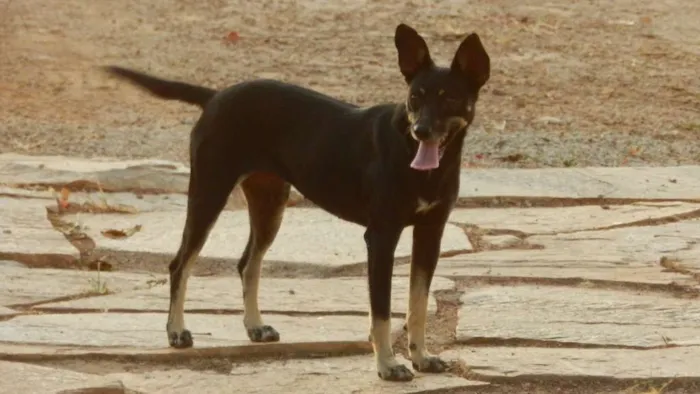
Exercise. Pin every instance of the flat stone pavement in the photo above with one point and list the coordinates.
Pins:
(547, 277)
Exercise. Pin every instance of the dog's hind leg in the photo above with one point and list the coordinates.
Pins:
(267, 197)
(211, 183)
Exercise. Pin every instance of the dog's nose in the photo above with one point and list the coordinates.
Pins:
(421, 131)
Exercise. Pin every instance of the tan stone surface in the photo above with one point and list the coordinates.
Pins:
(307, 235)
(578, 315)
(23, 285)
(553, 264)
(682, 182)
(333, 295)
(557, 220)
(641, 245)
(622, 255)
(6, 311)
(354, 374)
(28, 378)
(147, 330)
(110, 174)
(613, 363)
(502, 241)
(25, 230)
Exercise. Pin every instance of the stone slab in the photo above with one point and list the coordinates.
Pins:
(11, 264)
(633, 244)
(6, 311)
(26, 286)
(355, 374)
(569, 219)
(554, 264)
(578, 315)
(29, 378)
(336, 295)
(25, 230)
(147, 330)
(307, 235)
(110, 174)
(623, 255)
(107, 174)
(678, 182)
(602, 363)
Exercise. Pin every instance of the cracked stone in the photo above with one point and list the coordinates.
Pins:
(307, 235)
(6, 311)
(333, 295)
(558, 220)
(354, 374)
(144, 331)
(578, 315)
(110, 174)
(106, 174)
(26, 233)
(24, 286)
(592, 182)
(28, 378)
(612, 363)
(621, 255)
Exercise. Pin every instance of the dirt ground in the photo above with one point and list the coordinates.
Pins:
(600, 83)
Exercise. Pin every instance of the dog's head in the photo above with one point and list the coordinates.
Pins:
(441, 101)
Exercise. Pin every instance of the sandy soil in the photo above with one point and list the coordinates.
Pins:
(573, 83)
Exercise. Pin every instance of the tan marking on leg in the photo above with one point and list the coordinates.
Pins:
(251, 282)
(176, 317)
(381, 342)
(417, 315)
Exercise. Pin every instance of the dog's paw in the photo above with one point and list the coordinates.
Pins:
(263, 334)
(396, 373)
(180, 340)
(432, 364)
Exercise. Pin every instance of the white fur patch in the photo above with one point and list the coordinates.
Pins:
(424, 206)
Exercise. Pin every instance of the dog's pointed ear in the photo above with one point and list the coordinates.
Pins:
(472, 60)
(414, 56)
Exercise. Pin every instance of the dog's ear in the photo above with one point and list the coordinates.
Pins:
(414, 56)
(472, 60)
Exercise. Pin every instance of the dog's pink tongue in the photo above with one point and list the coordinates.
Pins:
(427, 157)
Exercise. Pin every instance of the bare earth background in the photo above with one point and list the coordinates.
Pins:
(574, 83)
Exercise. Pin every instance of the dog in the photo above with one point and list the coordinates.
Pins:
(384, 167)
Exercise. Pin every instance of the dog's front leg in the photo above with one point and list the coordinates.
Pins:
(426, 251)
(381, 244)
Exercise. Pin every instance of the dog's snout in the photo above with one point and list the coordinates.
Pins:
(421, 131)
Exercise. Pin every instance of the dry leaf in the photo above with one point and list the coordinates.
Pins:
(119, 234)
(232, 37)
(65, 193)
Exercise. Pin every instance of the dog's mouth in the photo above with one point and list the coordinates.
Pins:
(429, 153)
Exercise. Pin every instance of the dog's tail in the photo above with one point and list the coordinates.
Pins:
(165, 89)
